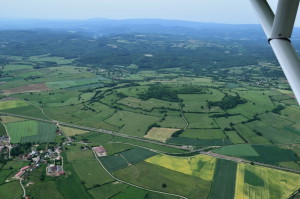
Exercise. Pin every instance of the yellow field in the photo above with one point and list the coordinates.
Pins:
(160, 134)
(9, 119)
(277, 184)
(11, 104)
(200, 166)
(71, 131)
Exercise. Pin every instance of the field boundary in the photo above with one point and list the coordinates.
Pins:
(170, 194)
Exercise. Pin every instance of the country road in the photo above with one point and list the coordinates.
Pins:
(201, 151)
(98, 130)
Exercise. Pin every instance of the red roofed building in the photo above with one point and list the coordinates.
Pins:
(19, 174)
(100, 150)
(24, 168)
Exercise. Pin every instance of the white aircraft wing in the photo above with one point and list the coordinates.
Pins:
(278, 28)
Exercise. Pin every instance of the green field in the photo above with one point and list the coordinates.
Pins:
(237, 150)
(249, 135)
(175, 182)
(198, 166)
(160, 134)
(260, 182)
(204, 134)
(136, 155)
(87, 167)
(113, 162)
(132, 123)
(2, 129)
(31, 131)
(259, 153)
(234, 137)
(197, 142)
(11, 190)
(200, 121)
(4, 105)
(224, 180)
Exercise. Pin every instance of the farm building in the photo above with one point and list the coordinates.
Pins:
(55, 170)
(24, 168)
(100, 150)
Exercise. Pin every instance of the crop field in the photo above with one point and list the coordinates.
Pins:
(148, 104)
(249, 135)
(107, 190)
(200, 166)
(14, 67)
(87, 168)
(132, 193)
(176, 182)
(228, 121)
(275, 135)
(26, 89)
(224, 180)
(295, 129)
(147, 145)
(160, 134)
(197, 142)
(72, 131)
(237, 150)
(4, 105)
(71, 83)
(292, 113)
(28, 110)
(113, 148)
(197, 102)
(132, 123)
(261, 182)
(200, 121)
(259, 153)
(210, 134)
(274, 120)
(9, 119)
(113, 162)
(173, 122)
(136, 155)
(31, 131)
(234, 137)
(248, 110)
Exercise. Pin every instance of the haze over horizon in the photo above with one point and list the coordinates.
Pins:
(228, 12)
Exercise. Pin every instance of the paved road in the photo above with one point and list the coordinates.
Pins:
(98, 130)
(240, 160)
(201, 151)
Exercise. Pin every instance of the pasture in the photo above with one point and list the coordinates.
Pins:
(203, 134)
(234, 137)
(160, 134)
(132, 123)
(11, 190)
(9, 119)
(200, 121)
(173, 122)
(175, 182)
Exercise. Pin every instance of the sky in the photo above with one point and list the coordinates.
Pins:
(217, 11)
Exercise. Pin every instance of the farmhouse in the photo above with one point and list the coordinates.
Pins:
(55, 170)
(100, 150)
